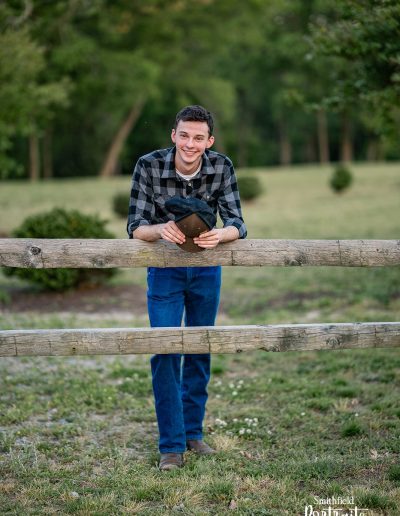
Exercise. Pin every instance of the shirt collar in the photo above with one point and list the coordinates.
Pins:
(169, 166)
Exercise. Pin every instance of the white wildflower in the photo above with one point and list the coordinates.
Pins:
(220, 422)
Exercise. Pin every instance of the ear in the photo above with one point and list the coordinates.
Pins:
(173, 135)
(210, 142)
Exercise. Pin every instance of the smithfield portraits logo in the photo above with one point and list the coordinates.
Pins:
(334, 506)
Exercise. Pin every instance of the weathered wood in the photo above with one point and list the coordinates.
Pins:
(99, 253)
(201, 339)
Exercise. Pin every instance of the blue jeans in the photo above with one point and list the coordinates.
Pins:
(180, 382)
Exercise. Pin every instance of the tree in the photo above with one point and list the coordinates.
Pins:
(365, 39)
(26, 100)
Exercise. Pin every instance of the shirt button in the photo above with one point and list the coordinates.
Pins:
(190, 184)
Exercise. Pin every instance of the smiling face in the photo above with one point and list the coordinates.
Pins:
(191, 140)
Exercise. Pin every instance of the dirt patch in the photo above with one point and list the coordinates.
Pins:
(102, 299)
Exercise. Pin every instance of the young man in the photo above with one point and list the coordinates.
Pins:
(188, 170)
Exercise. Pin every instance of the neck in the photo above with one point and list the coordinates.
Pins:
(187, 169)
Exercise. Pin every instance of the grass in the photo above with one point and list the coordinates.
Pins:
(285, 427)
(78, 434)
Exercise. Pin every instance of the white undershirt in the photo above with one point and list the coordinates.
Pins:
(188, 177)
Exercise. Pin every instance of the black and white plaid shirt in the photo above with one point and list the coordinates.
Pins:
(155, 180)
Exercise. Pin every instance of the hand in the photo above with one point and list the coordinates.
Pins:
(209, 239)
(172, 233)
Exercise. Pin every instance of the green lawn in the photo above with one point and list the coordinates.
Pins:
(78, 435)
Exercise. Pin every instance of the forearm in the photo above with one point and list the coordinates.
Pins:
(229, 233)
(168, 231)
(147, 232)
(153, 232)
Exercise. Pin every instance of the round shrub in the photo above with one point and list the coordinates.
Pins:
(59, 223)
(250, 187)
(121, 204)
(341, 179)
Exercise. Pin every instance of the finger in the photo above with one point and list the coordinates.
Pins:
(207, 245)
(209, 234)
(172, 226)
(175, 239)
(207, 238)
(172, 236)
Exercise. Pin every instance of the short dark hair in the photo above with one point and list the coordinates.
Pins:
(195, 114)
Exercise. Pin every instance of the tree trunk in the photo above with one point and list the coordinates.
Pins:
(219, 140)
(375, 150)
(242, 146)
(47, 154)
(34, 157)
(285, 144)
(323, 137)
(110, 163)
(347, 143)
(243, 126)
(310, 151)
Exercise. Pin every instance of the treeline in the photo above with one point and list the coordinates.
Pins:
(88, 86)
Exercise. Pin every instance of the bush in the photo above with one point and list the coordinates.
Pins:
(341, 179)
(121, 204)
(250, 187)
(59, 223)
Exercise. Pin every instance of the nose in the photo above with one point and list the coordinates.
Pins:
(190, 142)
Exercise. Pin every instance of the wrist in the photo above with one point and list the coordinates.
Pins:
(159, 228)
(229, 233)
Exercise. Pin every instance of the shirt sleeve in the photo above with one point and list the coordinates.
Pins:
(229, 202)
(141, 206)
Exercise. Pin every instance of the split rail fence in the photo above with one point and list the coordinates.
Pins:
(97, 253)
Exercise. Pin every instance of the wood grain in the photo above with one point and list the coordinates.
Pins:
(99, 253)
(201, 339)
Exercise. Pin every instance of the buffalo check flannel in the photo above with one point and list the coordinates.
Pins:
(155, 180)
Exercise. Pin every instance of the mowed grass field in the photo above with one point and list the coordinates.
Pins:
(78, 435)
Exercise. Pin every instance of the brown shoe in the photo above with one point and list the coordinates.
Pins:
(170, 461)
(199, 447)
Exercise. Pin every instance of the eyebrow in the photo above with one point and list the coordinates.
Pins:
(196, 135)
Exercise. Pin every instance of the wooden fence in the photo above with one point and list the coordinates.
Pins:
(45, 253)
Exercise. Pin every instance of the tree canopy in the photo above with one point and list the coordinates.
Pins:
(87, 87)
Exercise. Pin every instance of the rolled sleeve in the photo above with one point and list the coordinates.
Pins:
(141, 206)
(229, 207)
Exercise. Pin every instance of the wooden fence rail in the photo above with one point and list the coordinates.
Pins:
(200, 339)
(99, 253)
